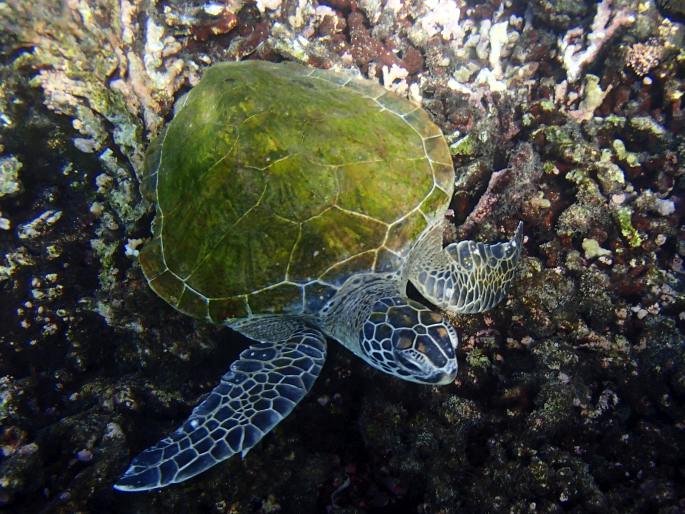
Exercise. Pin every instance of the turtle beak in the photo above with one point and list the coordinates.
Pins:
(448, 375)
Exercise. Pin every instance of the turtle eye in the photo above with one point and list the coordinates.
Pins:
(403, 338)
(403, 343)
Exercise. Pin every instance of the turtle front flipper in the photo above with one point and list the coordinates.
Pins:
(483, 272)
(466, 277)
(262, 387)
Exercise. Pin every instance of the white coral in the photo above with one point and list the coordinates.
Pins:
(271, 5)
(604, 25)
(442, 17)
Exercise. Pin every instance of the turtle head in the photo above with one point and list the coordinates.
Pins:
(406, 339)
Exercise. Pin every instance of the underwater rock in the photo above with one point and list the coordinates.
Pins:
(592, 249)
(560, 14)
(9, 176)
(674, 9)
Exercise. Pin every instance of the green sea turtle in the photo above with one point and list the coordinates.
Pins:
(294, 205)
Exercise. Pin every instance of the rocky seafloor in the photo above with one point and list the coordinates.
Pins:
(571, 395)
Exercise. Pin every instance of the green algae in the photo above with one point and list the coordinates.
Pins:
(566, 143)
(630, 233)
(10, 184)
(464, 147)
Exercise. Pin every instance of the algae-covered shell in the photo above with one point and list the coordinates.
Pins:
(276, 182)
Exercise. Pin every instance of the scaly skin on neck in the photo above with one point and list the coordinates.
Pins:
(344, 316)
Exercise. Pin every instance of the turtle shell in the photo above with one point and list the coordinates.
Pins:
(276, 182)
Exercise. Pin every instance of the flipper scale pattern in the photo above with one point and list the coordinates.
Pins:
(261, 388)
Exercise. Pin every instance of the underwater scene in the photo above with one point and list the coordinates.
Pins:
(342, 256)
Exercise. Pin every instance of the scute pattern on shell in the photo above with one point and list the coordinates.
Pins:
(276, 182)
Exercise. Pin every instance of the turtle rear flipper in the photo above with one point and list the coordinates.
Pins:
(261, 388)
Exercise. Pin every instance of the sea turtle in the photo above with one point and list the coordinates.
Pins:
(293, 205)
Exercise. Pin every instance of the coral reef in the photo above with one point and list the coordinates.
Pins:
(570, 396)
